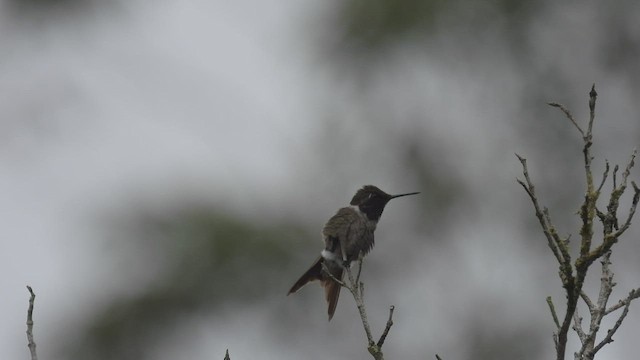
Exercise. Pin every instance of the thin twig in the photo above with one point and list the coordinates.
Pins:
(356, 287)
(561, 252)
(592, 107)
(612, 238)
(604, 175)
(387, 327)
(606, 283)
(530, 189)
(634, 294)
(609, 337)
(31, 342)
(587, 301)
(597, 310)
(616, 193)
(577, 326)
(568, 114)
(553, 312)
(632, 210)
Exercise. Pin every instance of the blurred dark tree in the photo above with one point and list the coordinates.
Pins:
(209, 259)
(38, 12)
(490, 341)
(37, 5)
(371, 26)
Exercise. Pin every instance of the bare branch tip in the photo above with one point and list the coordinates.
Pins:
(592, 104)
(552, 309)
(31, 343)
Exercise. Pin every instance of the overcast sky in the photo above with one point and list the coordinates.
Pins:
(226, 101)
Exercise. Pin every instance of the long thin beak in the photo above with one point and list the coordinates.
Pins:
(407, 194)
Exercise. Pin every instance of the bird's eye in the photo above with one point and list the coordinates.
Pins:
(370, 196)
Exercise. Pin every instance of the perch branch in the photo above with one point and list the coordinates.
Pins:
(356, 288)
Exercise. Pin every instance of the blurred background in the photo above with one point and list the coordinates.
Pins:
(166, 169)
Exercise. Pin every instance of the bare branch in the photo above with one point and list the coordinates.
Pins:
(568, 115)
(592, 107)
(561, 252)
(606, 283)
(544, 220)
(31, 342)
(356, 287)
(632, 210)
(355, 290)
(616, 193)
(609, 337)
(562, 245)
(383, 337)
(627, 170)
(587, 301)
(604, 176)
(597, 310)
(634, 294)
(573, 274)
(612, 238)
(577, 326)
(553, 312)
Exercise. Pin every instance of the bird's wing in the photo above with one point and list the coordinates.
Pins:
(347, 227)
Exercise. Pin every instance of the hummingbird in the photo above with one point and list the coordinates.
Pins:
(347, 235)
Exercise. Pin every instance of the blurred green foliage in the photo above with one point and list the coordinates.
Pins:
(27, 6)
(210, 259)
(372, 25)
(378, 22)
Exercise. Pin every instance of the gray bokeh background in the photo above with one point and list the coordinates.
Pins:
(166, 168)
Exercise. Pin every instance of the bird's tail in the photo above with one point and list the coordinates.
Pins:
(314, 273)
(331, 287)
